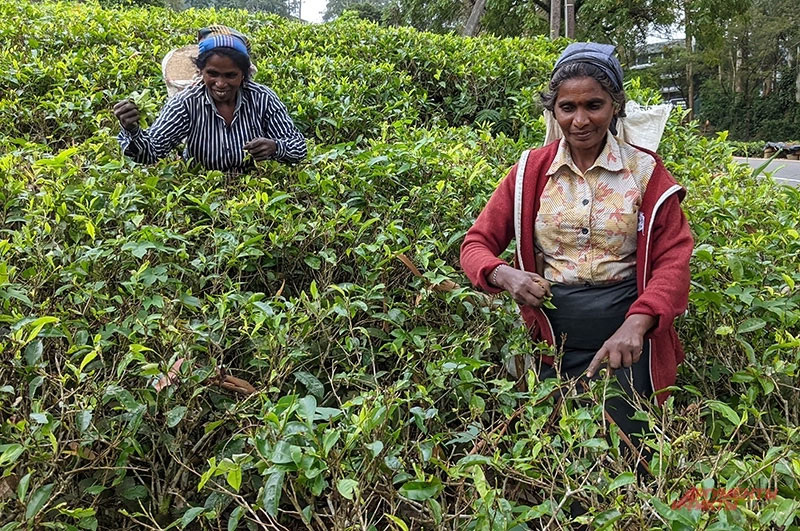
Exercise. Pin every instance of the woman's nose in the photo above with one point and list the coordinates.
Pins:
(581, 117)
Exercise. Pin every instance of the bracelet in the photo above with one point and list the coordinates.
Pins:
(493, 279)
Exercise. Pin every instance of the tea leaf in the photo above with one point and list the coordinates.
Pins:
(233, 520)
(190, 515)
(83, 419)
(725, 411)
(398, 522)
(175, 415)
(272, 492)
(751, 325)
(234, 478)
(38, 500)
(626, 478)
(312, 384)
(420, 490)
(347, 487)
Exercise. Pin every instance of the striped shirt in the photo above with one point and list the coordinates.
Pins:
(191, 117)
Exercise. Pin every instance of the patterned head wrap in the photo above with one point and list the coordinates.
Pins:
(217, 35)
(599, 55)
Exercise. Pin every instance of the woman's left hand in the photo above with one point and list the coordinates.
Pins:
(624, 348)
(261, 148)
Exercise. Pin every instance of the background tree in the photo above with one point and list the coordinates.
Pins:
(707, 26)
(624, 23)
(367, 9)
(754, 93)
(439, 16)
(285, 8)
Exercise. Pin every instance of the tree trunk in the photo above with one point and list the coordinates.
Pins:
(474, 21)
(569, 18)
(689, 69)
(797, 81)
(732, 76)
(690, 89)
(555, 19)
(737, 71)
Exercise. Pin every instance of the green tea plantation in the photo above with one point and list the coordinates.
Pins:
(297, 347)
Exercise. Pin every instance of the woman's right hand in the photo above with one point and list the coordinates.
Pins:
(524, 287)
(128, 115)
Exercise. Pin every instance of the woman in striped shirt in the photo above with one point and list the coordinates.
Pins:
(222, 119)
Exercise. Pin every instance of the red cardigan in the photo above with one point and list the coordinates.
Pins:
(664, 247)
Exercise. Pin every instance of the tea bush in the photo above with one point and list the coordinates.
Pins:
(748, 149)
(381, 400)
(343, 79)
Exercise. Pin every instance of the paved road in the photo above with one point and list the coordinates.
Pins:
(784, 171)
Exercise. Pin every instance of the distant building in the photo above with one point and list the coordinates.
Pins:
(648, 56)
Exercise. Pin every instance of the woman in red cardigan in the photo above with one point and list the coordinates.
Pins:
(599, 227)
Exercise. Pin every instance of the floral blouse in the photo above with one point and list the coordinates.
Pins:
(586, 225)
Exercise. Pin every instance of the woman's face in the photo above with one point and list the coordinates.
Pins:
(584, 111)
(222, 78)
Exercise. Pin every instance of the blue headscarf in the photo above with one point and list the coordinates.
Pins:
(223, 41)
(599, 55)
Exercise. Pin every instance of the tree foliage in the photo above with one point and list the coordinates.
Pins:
(371, 10)
(439, 16)
(748, 65)
(623, 23)
(284, 8)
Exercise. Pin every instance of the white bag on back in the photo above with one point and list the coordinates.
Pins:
(643, 126)
(178, 70)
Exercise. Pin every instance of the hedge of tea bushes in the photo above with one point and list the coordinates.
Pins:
(343, 80)
(380, 398)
